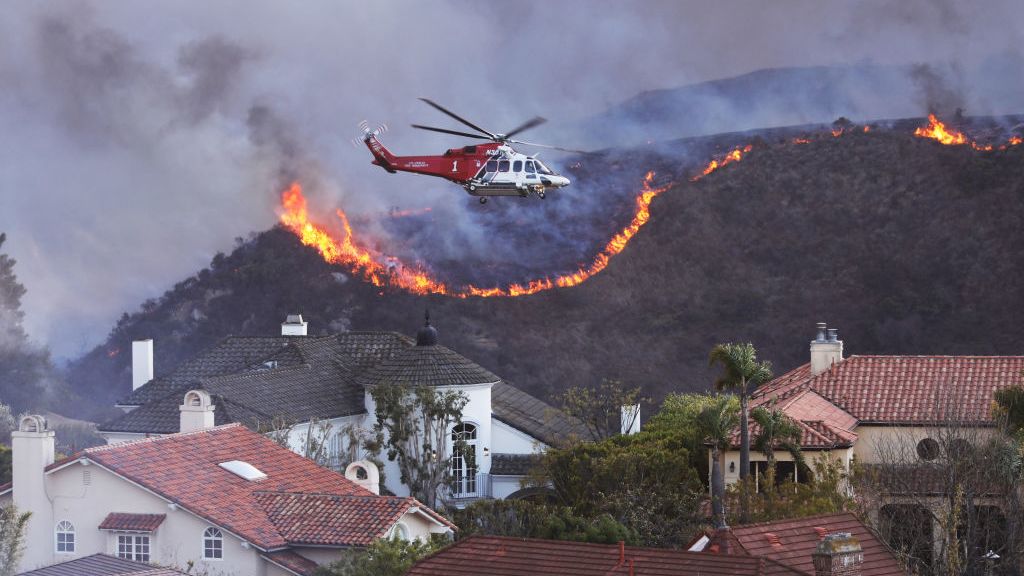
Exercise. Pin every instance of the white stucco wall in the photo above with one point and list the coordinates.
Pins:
(507, 440)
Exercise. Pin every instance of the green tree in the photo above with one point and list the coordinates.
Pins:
(1009, 408)
(825, 493)
(526, 519)
(12, 538)
(776, 430)
(384, 557)
(413, 428)
(741, 374)
(680, 413)
(24, 368)
(716, 423)
(600, 408)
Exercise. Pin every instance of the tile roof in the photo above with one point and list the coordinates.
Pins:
(132, 522)
(292, 561)
(791, 542)
(907, 389)
(533, 416)
(513, 464)
(433, 365)
(183, 468)
(505, 556)
(102, 565)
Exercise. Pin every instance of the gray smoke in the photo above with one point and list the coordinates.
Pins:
(138, 139)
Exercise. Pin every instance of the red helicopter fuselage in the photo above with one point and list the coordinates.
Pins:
(459, 165)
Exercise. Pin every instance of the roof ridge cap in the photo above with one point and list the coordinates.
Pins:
(108, 447)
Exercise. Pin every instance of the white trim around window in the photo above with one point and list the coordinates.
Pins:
(213, 544)
(64, 537)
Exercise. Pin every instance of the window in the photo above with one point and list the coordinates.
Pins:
(542, 168)
(65, 537)
(492, 165)
(928, 449)
(529, 167)
(464, 466)
(517, 166)
(213, 544)
(401, 531)
(133, 547)
(503, 165)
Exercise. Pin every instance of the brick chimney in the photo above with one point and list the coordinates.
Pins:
(826, 349)
(838, 554)
(196, 412)
(294, 325)
(142, 362)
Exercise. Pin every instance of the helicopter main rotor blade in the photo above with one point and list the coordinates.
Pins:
(457, 117)
(531, 123)
(453, 132)
(550, 147)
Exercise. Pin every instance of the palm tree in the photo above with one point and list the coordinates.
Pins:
(742, 373)
(776, 429)
(717, 421)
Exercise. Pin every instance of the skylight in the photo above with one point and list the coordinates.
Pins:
(243, 470)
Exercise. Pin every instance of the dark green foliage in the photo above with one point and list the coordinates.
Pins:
(825, 494)
(1010, 408)
(600, 407)
(6, 464)
(12, 538)
(777, 430)
(385, 557)
(525, 519)
(680, 413)
(644, 481)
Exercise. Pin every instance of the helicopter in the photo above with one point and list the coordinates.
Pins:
(483, 170)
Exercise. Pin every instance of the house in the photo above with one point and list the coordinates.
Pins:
(103, 565)
(224, 499)
(837, 554)
(793, 542)
(906, 421)
(322, 384)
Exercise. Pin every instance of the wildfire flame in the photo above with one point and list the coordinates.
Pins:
(735, 155)
(937, 130)
(388, 271)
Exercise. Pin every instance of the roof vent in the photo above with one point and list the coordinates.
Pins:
(243, 470)
(427, 336)
(773, 539)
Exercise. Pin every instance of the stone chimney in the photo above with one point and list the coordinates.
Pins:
(826, 349)
(838, 554)
(32, 450)
(294, 325)
(196, 412)
(142, 362)
(364, 473)
(630, 419)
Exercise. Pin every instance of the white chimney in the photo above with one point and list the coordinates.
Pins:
(364, 473)
(196, 412)
(142, 362)
(630, 420)
(32, 450)
(826, 349)
(294, 325)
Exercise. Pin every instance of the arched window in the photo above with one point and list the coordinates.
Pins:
(464, 467)
(65, 537)
(400, 531)
(213, 544)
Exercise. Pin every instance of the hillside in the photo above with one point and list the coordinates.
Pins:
(906, 245)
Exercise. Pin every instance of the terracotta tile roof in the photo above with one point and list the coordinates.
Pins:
(504, 556)
(292, 561)
(907, 389)
(814, 435)
(102, 565)
(183, 468)
(132, 522)
(791, 542)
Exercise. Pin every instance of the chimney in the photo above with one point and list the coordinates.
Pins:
(630, 419)
(196, 412)
(364, 473)
(826, 349)
(142, 362)
(32, 450)
(294, 325)
(838, 554)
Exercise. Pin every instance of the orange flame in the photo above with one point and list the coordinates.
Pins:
(733, 156)
(386, 271)
(937, 130)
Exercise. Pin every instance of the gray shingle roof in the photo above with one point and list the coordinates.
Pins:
(102, 565)
(513, 464)
(427, 365)
(533, 416)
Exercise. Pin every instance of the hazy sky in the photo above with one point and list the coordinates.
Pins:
(137, 139)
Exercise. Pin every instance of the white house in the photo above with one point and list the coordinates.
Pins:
(223, 499)
(327, 379)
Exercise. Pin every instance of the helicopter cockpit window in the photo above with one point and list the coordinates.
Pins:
(492, 165)
(529, 167)
(517, 166)
(503, 165)
(542, 168)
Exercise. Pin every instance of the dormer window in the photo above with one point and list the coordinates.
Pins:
(243, 470)
(213, 544)
(65, 537)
